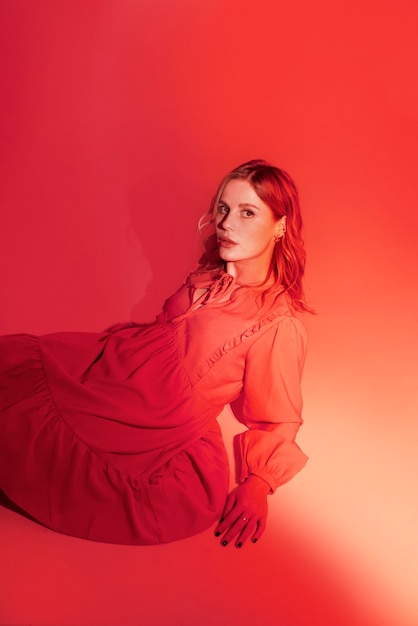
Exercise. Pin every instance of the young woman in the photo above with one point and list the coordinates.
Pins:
(114, 436)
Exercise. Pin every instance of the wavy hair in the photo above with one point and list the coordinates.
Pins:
(278, 191)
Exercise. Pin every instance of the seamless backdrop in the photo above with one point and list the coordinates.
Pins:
(117, 120)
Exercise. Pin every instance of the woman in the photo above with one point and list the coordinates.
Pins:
(113, 436)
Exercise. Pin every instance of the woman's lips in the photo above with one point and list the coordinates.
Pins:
(226, 243)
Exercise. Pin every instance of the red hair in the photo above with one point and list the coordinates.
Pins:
(276, 189)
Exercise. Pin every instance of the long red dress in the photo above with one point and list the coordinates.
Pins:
(113, 436)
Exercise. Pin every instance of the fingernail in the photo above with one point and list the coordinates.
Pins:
(239, 544)
(217, 534)
(224, 543)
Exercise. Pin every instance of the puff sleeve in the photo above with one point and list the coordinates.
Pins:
(270, 405)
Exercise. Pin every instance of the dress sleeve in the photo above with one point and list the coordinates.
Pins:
(270, 405)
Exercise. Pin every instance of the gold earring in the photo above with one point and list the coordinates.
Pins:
(278, 237)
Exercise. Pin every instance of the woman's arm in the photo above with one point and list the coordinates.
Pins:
(120, 326)
(271, 406)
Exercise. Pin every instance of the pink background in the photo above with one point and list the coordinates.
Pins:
(118, 119)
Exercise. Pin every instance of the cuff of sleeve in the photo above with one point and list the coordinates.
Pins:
(268, 456)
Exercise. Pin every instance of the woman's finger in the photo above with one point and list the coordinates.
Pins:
(226, 522)
(247, 530)
(229, 505)
(236, 527)
(261, 527)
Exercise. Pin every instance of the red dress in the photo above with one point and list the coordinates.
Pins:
(113, 436)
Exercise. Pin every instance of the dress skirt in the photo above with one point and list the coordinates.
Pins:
(119, 491)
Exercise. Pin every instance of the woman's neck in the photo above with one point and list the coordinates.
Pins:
(250, 273)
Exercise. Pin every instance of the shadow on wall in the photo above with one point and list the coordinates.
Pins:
(164, 209)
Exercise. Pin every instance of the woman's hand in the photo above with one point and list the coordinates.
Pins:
(245, 512)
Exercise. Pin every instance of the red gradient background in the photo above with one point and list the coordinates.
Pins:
(118, 119)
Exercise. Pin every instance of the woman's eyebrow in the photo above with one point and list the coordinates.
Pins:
(246, 205)
(243, 205)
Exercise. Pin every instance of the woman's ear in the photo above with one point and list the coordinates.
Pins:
(280, 227)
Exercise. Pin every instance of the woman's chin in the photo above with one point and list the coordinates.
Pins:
(228, 255)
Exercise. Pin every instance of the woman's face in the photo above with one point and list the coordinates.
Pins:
(246, 229)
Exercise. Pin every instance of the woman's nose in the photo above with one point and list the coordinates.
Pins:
(227, 223)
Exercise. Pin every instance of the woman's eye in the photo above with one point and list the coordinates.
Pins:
(222, 209)
(248, 213)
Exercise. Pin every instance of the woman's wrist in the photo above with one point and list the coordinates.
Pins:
(262, 484)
